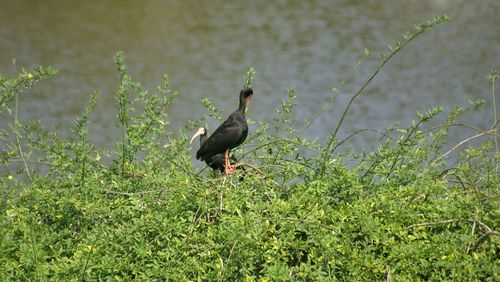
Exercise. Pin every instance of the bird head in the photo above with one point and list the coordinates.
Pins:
(245, 97)
(201, 132)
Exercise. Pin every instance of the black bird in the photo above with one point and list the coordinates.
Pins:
(230, 134)
(216, 162)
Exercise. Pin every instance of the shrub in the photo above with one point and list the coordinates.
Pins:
(413, 209)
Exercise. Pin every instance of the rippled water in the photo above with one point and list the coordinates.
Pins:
(206, 47)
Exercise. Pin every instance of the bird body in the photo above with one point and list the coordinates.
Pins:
(230, 134)
(216, 162)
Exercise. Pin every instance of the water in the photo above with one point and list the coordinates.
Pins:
(206, 47)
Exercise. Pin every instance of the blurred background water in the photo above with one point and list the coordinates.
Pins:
(207, 46)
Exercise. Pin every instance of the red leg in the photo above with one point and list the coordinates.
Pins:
(228, 168)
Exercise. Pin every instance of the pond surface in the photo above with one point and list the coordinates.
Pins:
(207, 46)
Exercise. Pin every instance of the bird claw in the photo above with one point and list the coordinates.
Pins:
(230, 169)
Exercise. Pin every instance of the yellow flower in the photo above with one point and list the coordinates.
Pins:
(10, 177)
(30, 76)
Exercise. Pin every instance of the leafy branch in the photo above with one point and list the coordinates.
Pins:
(396, 48)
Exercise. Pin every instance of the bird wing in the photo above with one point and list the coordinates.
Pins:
(227, 135)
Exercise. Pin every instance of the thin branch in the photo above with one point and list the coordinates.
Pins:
(21, 153)
(31, 162)
(460, 181)
(13, 88)
(481, 240)
(398, 152)
(277, 141)
(463, 142)
(482, 225)
(449, 221)
(432, 223)
(130, 194)
(134, 175)
(298, 219)
(317, 223)
(358, 132)
(489, 232)
(258, 170)
(473, 228)
(294, 161)
(250, 166)
(426, 130)
(421, 29)
(493, 77)
(195, 220)
(188, 171)
(227, 260)
(202, 170)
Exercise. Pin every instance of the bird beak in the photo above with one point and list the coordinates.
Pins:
(198, 133)
(247, 101)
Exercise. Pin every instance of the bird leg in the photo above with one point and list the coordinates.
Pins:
(228, 168)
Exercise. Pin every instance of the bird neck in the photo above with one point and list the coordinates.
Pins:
(243, 106)
(203, 138)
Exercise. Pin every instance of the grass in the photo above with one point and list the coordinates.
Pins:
(416, 208)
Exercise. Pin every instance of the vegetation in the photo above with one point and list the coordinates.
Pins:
(415, 208)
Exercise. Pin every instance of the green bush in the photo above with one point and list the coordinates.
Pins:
(414, 209)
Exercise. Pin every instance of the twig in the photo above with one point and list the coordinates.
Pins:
(184, 168)
(299, 220)
(476, 244)
(256, 169)
(202, 170)
(317, 223)
(481, 240)
(482, 224)
(13, 88)
(432, 223)
(397, 49)
(250, 166)
(134, 175)
(493, 77)
(466, 126)
(357, 132)
(463, 142)
(459, 181)
(285, 160)
(473, 228)
(227, 260)
(130, 194)
(19, 142)
(31, 162)
(195, 220)
(401, 145)
(277, 141)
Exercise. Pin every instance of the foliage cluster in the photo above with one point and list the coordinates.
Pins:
(415, 208)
